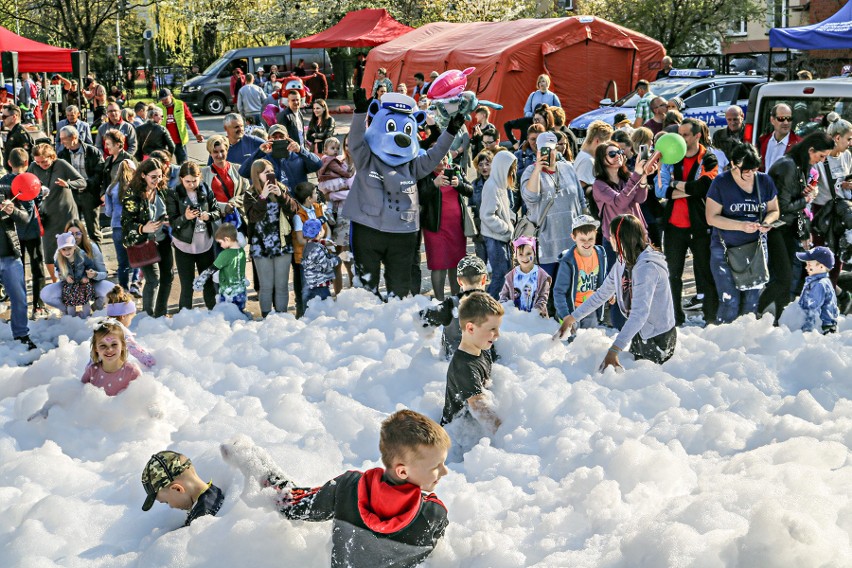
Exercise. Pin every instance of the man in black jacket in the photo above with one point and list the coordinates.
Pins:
(18, 137)
(11, 267)
(291, 118)
(89, 163)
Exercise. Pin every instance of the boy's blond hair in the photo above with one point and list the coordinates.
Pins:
(404, 431)
(476, 308)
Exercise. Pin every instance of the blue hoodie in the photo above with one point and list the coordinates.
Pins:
(818, 300)
(566, 281)
(652, 308)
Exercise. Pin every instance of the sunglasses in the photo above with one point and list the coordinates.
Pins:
(76, 233)
(783, 118)
(614, 153)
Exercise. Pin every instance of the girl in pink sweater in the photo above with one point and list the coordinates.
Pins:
(109, 368)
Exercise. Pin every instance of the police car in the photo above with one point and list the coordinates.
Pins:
(705, 95)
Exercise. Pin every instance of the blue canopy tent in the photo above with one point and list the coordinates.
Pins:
(832, 33)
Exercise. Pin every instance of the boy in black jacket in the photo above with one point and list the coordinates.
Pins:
(383, 518)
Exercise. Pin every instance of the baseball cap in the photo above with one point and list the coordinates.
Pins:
(822, 255)
(471, 266)
(160, 471)
(584, 221)
(277, 129)
(311, 228)
(164, 94)
(64, 240)
(546, 140)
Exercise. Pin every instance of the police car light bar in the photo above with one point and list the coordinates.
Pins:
(692, 73)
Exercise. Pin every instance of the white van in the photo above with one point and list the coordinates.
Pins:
(811, 101)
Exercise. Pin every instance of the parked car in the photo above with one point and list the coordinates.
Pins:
(756, 63)
(210, 92)
(705, 95)
(810, 101)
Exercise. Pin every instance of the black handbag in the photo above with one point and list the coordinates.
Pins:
(823, 223)
(747, 262)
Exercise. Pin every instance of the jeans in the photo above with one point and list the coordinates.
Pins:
(480, 248)
(676, 242)
(274, 275)
(238, 300)
(180, 154)
(124, 269)
(732, 302)
(12, 278)
(616, 318)
(501, 264)
(187, 264)
(552, 268)
(88, 207)
(158, 281)
(321, 292)
(34, 250)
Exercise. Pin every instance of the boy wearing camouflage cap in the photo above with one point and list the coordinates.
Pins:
(170, 477)
(472, 275)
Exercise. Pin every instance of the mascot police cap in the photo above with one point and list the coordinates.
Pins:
(392, 128)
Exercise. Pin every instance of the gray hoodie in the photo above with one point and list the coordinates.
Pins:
(651, 310)
(498, 221)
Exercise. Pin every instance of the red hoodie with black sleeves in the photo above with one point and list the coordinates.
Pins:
(377, 524)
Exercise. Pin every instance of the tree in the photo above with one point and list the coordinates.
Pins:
(680, 25)
(72, 23)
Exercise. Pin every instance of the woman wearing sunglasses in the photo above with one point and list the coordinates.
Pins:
(619, 192)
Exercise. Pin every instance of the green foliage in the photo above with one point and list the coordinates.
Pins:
(682, 26)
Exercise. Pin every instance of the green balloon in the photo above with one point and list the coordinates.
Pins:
(672, 147)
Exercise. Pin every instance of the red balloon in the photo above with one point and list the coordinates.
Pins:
(26, 187)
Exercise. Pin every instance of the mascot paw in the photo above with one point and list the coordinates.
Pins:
(362, 103)
(455, 124)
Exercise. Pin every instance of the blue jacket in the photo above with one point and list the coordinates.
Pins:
(537, 97)
(30, 230)
(818, 300)
(290, 171)
(566, 281)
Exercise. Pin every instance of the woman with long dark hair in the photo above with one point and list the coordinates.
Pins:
(320, 127)
(640, 282)
(796, 190)
(143, 218)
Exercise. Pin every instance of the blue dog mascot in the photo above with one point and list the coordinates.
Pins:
(383, 204)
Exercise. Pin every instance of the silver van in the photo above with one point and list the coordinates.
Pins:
(210, 92)
(810, 101)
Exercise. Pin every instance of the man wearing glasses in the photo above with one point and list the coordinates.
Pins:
(114, 121)
(659, 106)
(774, 145)
(18, 137)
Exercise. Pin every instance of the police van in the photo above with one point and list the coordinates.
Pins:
(810, 101)
(705, 94)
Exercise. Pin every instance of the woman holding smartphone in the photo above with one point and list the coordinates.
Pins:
(143, 218)
(268, 207)
(193, 214)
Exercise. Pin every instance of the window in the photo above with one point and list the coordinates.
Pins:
(722, 95)
(739, 28)
(267, 61)
(564, 5)
(776, 13)
(228, 69)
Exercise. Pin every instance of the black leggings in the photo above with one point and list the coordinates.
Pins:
(33, 249)
(372, 249)
(187, 264)
(780, 246)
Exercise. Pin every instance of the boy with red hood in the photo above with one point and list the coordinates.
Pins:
(383, 518)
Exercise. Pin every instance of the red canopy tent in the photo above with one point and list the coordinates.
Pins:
(35, 57)
(363, 28)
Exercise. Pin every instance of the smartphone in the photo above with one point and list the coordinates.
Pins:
(545, 153)
(644, 152)
(775, 224)
(270, 177)
(279, 149)
(449, 173)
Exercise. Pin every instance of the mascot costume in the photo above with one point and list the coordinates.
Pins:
(383, 204)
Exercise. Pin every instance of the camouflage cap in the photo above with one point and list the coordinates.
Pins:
(471, 266)
(160, 471)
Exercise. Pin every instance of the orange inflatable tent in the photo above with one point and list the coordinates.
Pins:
(582, 54)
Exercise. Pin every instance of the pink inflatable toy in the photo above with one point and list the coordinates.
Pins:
(449, 84)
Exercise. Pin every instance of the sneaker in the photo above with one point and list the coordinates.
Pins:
(694, 303)
(27, 341)
(39, 313)
(134, 289)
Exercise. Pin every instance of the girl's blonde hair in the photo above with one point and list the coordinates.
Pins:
(85, 243)
(124, 176)
(102, 330)
(62, 267)
(118, 295)
(328, 142)
(257, 168)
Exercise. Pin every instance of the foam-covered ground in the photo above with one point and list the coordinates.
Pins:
(734, 453)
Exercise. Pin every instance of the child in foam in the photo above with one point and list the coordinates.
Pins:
(170, 478)
(818, 299)
(120, 305)
(318, 263)
(76, 272)
(527, 285)
(383, 517)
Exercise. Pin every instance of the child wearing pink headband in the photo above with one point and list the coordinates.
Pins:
(122, 307)
(527, 285)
